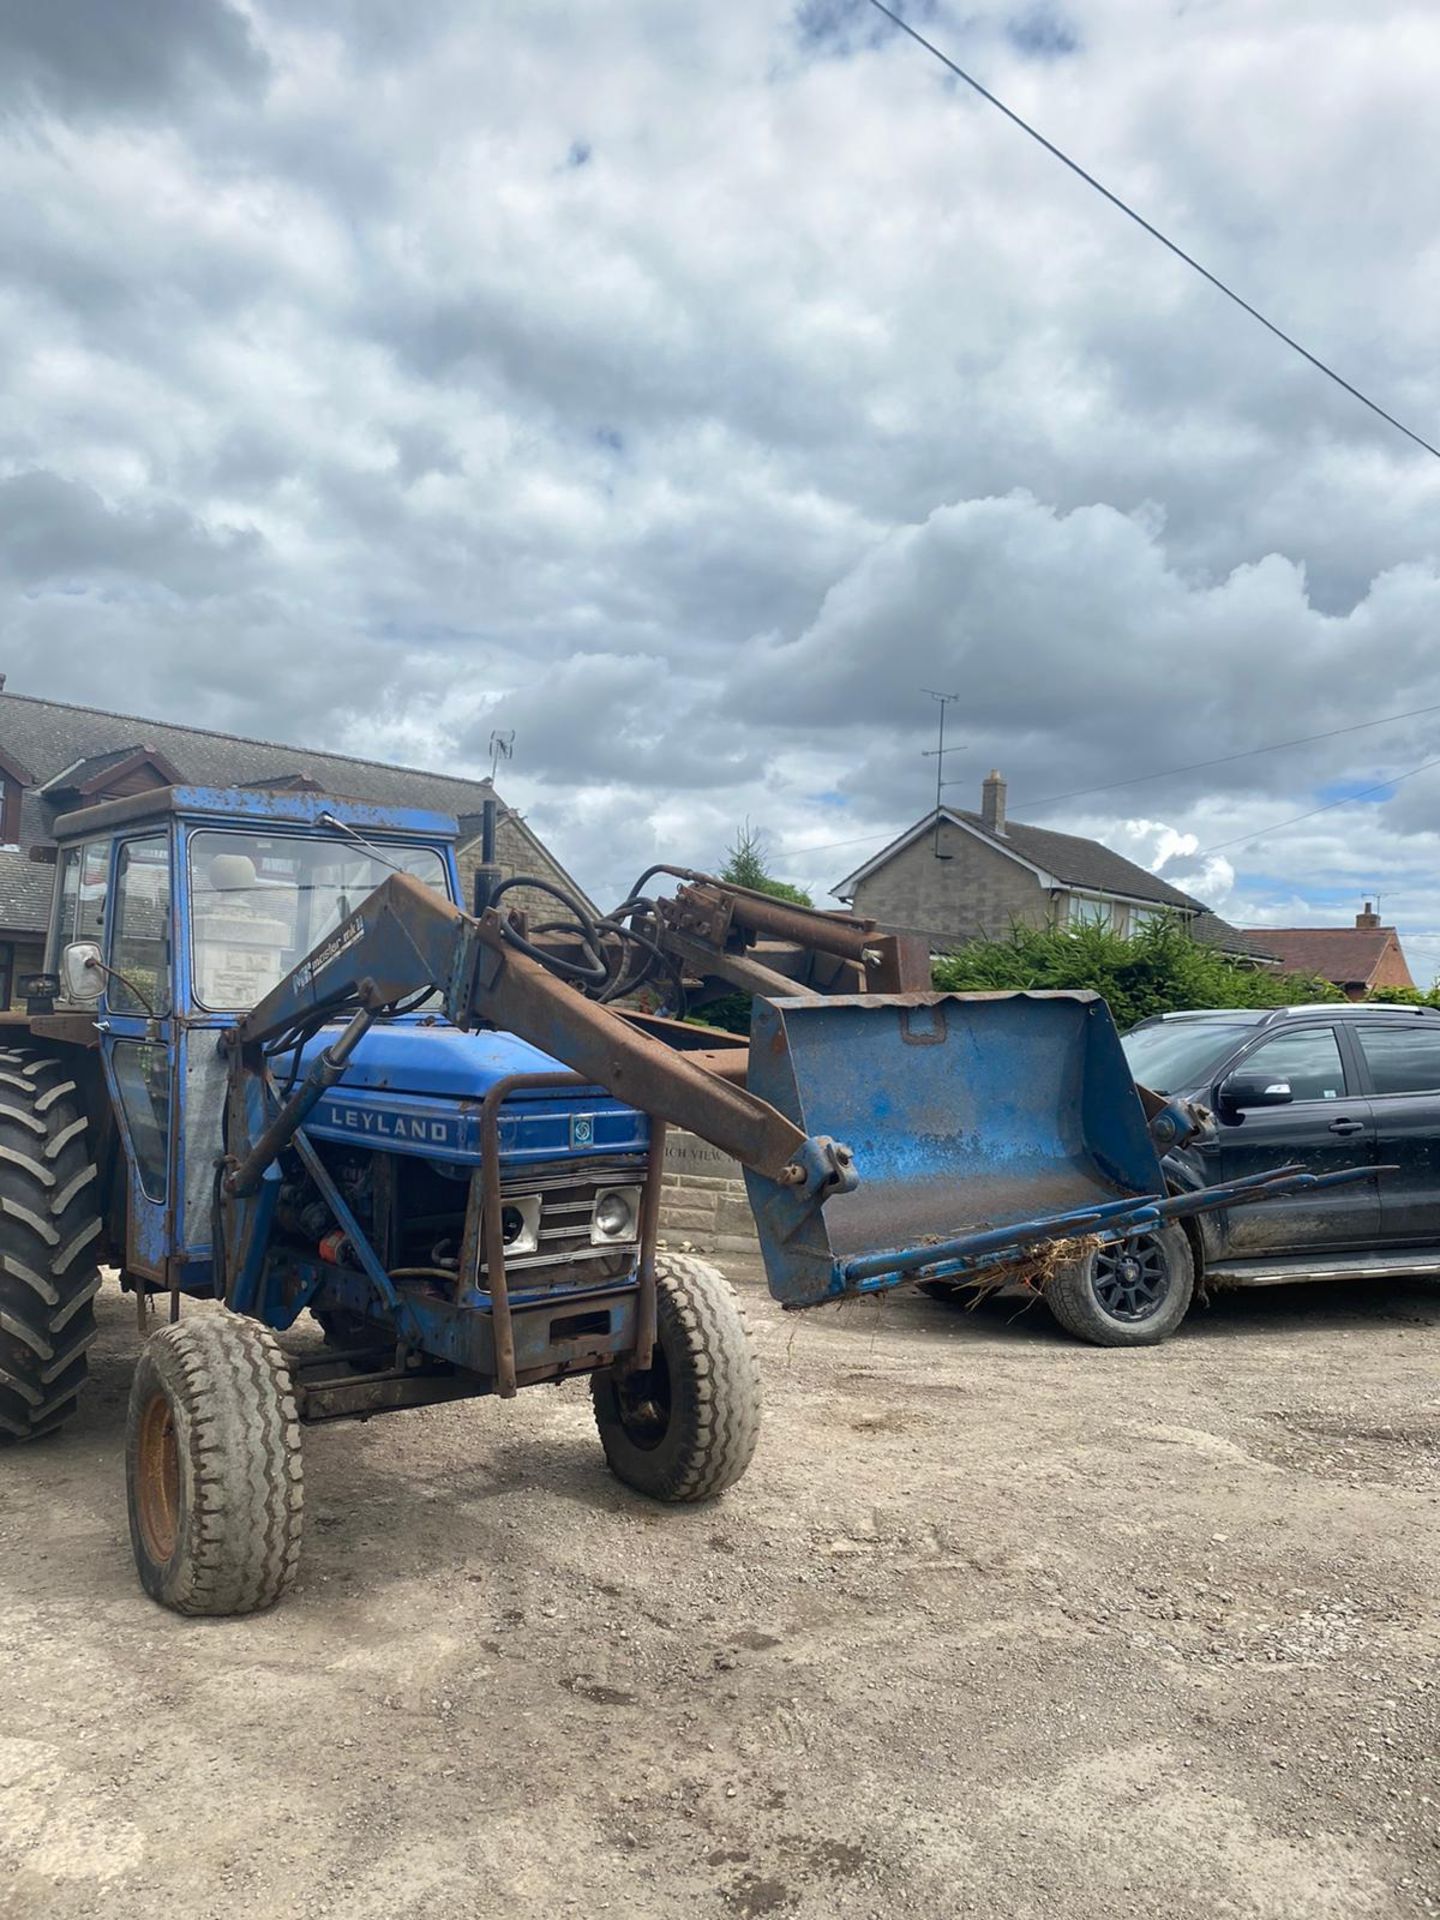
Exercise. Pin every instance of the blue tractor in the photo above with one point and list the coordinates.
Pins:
(275, 1064)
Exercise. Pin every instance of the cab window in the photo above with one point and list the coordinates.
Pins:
(84, 881)
(260, 902)
(1309, 1060)
(140, 937)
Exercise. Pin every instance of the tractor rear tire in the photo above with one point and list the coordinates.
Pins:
(684, 1429)
(1133, 1293)
(213, 1467)
(49, 1226)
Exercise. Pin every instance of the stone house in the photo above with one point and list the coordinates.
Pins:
(55, 757)
(957, 876)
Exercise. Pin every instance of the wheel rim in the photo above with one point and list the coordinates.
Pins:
(1131, 1278)
(644, 1402)
(158, 1489)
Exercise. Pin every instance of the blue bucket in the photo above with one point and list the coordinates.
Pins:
(979, 1123)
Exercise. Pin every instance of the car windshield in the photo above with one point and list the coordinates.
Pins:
(1176, 1056)
(260, 902)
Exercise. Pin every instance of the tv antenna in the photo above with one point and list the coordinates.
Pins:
(502, 747)
(937, 753)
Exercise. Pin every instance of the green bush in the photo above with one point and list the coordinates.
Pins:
(1160, 970)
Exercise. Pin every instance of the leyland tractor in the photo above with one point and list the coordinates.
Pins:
(275, 1064)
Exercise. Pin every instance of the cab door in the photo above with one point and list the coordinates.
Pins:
(136, 1026)
(1327, 1125)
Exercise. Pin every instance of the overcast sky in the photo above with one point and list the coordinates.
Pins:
(687, 388)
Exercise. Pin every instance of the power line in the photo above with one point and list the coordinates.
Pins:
(1153, 231)
(1225, 759)
(1250, 753)
(1349, 799)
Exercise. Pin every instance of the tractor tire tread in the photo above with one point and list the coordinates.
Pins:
(49, 1222)
(703, 1327)
(238, 1431)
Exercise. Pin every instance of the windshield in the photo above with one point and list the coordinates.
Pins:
(260, 902)
(1179, 1056)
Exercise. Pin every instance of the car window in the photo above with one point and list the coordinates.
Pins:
(1309, 1059)
(1401, 1059)
(1173, 1056)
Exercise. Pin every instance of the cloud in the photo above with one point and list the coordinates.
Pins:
(687, 391)
(88, 56)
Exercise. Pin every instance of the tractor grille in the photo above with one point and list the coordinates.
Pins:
(567, 1206)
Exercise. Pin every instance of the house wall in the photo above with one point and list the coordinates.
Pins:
(976, 892)
(1392, 970)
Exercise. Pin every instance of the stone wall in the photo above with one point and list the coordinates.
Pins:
(702, 1199)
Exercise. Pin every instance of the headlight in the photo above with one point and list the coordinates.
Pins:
(616, 1216)
(520, 1224)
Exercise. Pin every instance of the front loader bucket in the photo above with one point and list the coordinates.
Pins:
(979, 1123)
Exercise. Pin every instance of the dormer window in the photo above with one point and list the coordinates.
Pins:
(109, 776)
(10, 796)
(14, 779)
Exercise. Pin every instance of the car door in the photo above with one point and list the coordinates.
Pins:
(1327, 1126)
(1401, 1061)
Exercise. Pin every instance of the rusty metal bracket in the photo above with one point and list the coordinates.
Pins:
(490, 1243)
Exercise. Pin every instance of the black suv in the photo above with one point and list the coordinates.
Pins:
(1327, 1086)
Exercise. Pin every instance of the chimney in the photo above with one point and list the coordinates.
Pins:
(1368, 919)
(992, 803)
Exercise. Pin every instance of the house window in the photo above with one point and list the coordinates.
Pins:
(7, 972)
(10, 792)
(1093, 911)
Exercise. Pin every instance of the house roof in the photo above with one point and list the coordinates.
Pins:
(1066, 858)
(1344, 955)
(1211, 931)
(68, 746)
(25, 884)
(51, 737)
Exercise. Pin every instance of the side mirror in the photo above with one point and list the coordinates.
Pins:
(1254, 1090)
(80, 971)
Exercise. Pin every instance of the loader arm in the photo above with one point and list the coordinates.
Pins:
(405, 940)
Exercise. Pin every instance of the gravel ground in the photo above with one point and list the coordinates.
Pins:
(996, 1625)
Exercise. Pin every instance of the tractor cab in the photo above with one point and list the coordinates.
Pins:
(195, 902)
(175, 912)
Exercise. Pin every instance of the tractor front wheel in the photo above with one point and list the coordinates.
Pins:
(213, 1467)
(684, 1428)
